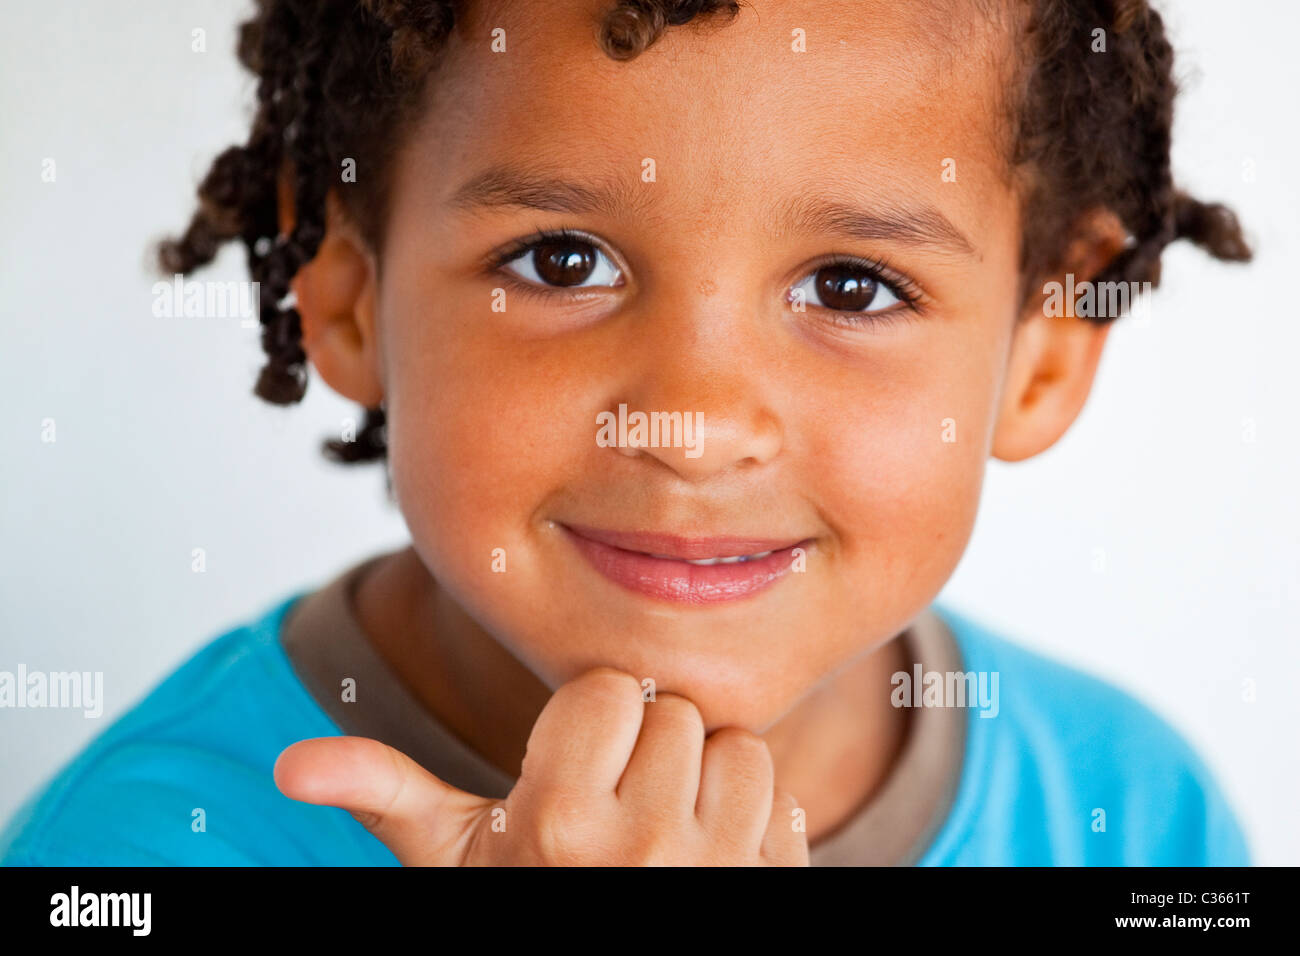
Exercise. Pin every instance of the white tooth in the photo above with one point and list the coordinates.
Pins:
(735, 559)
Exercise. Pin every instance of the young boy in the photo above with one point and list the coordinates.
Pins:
(686, 330)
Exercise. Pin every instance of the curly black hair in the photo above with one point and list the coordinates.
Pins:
(337, 78)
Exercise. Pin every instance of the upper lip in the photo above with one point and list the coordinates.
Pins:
(681, 547)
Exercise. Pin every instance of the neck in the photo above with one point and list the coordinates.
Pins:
(832, 750)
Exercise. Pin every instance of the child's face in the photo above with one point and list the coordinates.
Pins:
(862, 439)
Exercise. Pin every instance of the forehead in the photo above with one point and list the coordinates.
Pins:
(866, 95)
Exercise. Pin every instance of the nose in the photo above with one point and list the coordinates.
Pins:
(700, 366)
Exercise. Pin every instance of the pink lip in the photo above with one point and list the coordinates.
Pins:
(625, 557)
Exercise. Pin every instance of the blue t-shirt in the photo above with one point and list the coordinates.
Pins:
(1070, 771)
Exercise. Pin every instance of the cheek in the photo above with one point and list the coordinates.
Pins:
(479, 434)
(904, 450)
(466, 436)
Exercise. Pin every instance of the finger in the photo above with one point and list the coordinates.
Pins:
(785, 842)
(424, 821)
(664, 769)
(736, 787)
(584, 735)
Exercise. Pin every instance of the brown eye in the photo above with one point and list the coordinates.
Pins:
(844, 287)
(564, 262)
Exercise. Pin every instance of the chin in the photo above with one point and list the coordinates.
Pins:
(722, 687)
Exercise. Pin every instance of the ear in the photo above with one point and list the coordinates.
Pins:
(1053, 358)
(335, 295)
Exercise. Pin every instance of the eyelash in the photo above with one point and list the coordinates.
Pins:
(909, 294)
(911, 298)
(497, 261)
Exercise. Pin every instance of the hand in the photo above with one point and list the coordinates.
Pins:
(608, 780)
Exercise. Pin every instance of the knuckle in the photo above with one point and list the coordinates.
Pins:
(674, 708)
(660, 844)
(795, 855)
(606, 685)
(741, 745)
(563, 828)
(784, 802)
(746, 755)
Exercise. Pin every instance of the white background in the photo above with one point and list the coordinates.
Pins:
(161, 448)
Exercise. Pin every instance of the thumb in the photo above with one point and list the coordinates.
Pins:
(424, 821)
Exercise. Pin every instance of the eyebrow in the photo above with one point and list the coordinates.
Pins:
(913, 225)
(506, 186)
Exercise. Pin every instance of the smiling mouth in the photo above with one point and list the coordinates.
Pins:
(685, 570)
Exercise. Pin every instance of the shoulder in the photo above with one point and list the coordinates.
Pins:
(184, 777)
(1070, 769)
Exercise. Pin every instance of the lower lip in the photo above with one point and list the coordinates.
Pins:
(679, 581)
